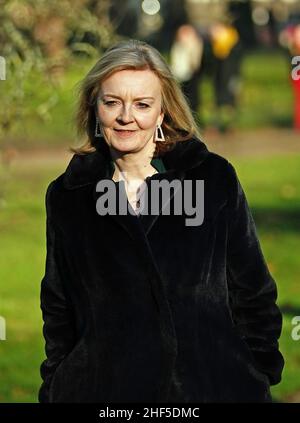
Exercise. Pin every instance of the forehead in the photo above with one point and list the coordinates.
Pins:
(136, 82)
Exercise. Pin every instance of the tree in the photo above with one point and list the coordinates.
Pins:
(38, 40)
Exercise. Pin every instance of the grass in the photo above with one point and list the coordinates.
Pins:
(266, 97)
(22, 229)
(272, 186)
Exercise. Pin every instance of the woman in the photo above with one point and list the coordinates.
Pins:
(145, 306)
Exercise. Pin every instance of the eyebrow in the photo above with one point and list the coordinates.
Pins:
(137, 98)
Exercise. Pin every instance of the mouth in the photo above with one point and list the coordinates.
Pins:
(125, 133)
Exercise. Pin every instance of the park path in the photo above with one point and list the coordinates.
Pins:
(255, 143)
(260, 142)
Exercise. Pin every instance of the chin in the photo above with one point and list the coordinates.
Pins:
(125, 145)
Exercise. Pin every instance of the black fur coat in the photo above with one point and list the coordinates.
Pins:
(159, 312)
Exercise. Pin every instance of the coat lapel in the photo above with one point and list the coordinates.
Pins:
(84, 170)
(149, 219)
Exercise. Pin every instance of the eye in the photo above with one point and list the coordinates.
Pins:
(142, 105)
(110, 103)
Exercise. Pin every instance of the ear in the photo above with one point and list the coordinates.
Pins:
(96, 105)
(161, 118)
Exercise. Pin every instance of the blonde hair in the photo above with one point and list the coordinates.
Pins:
(178, 124)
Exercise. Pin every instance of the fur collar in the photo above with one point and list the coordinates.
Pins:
(90, 168)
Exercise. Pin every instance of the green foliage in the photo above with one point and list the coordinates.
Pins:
(37, 40)
(21, 58)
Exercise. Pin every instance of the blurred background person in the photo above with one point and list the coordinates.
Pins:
(186, 62)
(227, 52)
(289, 38)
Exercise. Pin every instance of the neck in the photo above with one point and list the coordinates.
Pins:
(134, 166)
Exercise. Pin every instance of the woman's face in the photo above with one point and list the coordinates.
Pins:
(129, 109)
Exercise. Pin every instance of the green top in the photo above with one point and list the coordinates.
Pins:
(155, 162)
(158, 164)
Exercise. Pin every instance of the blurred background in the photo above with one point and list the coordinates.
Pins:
(233, 60)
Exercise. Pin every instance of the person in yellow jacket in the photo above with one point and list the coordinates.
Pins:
(226, 48)
(224, 38)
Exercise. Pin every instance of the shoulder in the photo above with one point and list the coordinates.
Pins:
(53, 190)
(226, 178)
(194, 156)
(226, 174)
(223, 169)
(219, 167)
(216, 161)
(55, 185)
(220, 176)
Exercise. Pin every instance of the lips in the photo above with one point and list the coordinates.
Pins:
(124, 133)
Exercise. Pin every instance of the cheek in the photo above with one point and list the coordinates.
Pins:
(147, 121)
(107, 117)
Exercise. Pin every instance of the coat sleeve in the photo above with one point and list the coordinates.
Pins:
(252, 290)
(58, 327)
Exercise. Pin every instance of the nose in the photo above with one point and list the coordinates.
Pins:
(125, 115)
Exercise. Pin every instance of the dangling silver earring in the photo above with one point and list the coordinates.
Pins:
(159, 135)
(98, 132)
